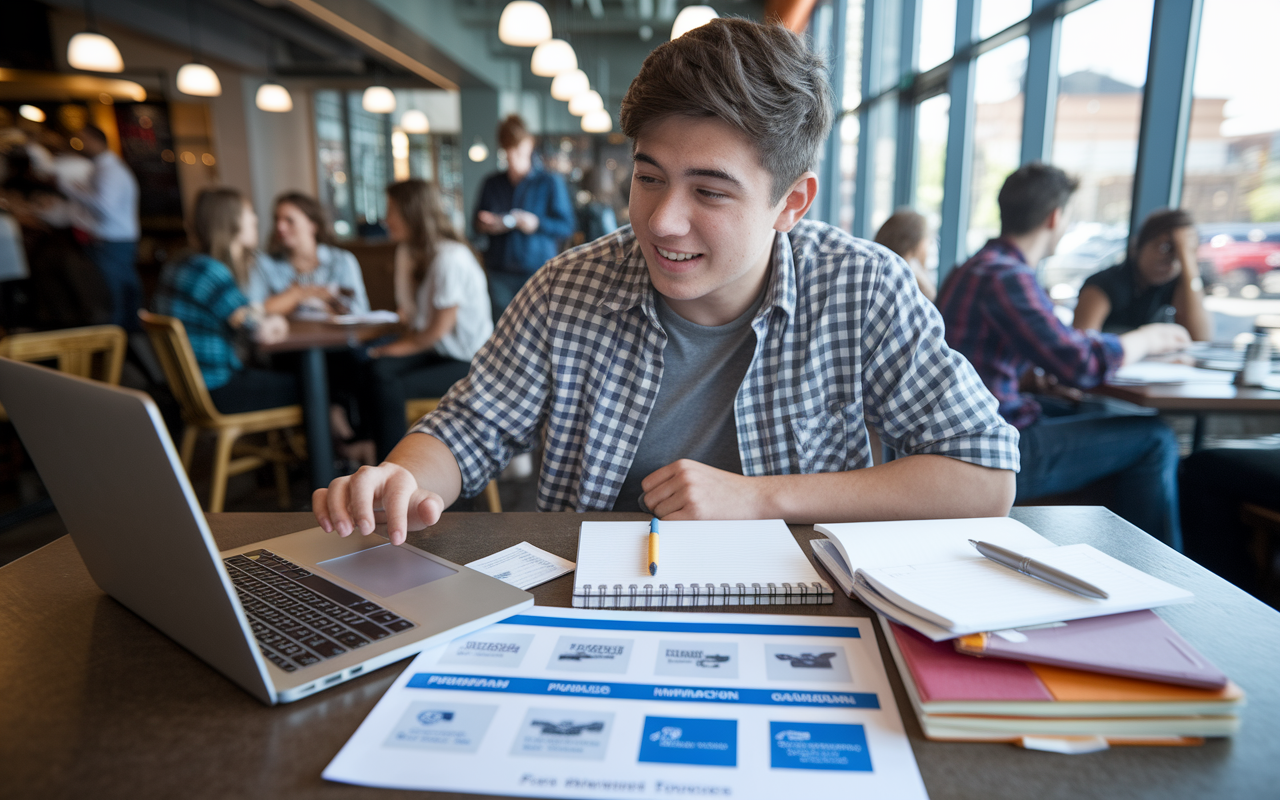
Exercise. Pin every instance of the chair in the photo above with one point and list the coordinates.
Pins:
(169, 338)
(76, 350)
(414, 410)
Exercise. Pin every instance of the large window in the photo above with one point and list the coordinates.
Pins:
(997, 135)
(937, 32)
(999, 14)
(1095, 137)
(847, 125)
(931, 163)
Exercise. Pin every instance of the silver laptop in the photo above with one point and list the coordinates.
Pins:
(284, 617)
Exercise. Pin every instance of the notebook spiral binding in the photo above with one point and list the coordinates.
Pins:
(695, 594)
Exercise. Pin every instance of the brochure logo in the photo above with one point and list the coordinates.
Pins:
(705, 742)
(426, 726)
(580, 654)
(688, 659)
(432, 717)
(489, 649)
(808, 660)
(564, 733)
(819, 745)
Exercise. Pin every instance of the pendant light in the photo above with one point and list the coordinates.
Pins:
(378, 100)
(32, 113)
(691, 17)
(414, 121)
(553, 57)
(195, 78)
(597, 121)
(524, 23)
(479, 151)
(568, 84)
(585, 102)
(90, 50)
(273, 97)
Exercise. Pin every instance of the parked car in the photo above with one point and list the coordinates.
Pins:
(1240, 258)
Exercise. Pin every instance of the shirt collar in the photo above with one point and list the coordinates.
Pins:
(633, 287)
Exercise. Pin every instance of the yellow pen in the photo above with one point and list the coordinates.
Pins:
(653, 546)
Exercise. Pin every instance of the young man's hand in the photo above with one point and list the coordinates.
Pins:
(1153, 340)
(688, 489)
(273, 328)
(385, 493)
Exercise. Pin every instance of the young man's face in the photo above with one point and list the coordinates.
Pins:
(701, 211)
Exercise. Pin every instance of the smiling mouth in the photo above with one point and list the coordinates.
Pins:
(671, 255)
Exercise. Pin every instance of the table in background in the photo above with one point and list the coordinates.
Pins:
(312, 340)
(1197, 399)
(98, 704)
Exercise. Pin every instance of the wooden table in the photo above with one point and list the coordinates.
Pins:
(313, 340)
(1197, 399)
(99, 704)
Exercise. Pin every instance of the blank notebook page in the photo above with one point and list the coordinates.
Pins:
(732, 552)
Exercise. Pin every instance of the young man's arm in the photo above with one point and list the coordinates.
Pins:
(915, 487)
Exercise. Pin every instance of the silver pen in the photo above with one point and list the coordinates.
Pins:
(1039, 570)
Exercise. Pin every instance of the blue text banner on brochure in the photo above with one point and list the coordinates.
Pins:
(610, 704)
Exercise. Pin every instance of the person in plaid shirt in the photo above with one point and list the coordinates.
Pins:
(1003, 321)
(202, 291)
(719, 358)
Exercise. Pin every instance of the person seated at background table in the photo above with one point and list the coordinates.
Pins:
(301, 265)
(716, 359)
(447, 311)
(525, 211)
(1158, 282)
(907, 234)
(202, 289)
(998, 315)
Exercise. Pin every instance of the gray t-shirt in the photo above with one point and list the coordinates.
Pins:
(692, 416)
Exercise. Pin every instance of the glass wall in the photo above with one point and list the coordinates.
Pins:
(997, 135)
(1231, 178)
(937, 32)
(999, 14)
(1095, 137)
(848, 126)
(931, 163)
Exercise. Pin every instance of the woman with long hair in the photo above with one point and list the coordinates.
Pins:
(441, 293)
(907, 234)
(301, 264)
(203, 290)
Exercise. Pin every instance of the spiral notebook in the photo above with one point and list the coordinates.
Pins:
(703, 563)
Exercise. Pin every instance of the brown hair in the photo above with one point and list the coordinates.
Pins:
(216, 224)
(761, 79)
(1160, 222)
(419, 205)
(309, 207)
(512, 131)
(1033, 192)
(903, 232)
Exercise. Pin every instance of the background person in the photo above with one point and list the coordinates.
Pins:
(525, 212)
(1158, 282)
(203, 290)
(448, 310)
(301, 264)
(110, 199)
(998, 315)
(907, 234)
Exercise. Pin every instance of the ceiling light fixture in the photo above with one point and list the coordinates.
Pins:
(585, 102)
(31, 112)
(414, 121)
(90, 50)
(273, 97)
(195, 78)
(378, 100)
(597, 121)
(524, 23)
(479, 151)
(553, 57)
(568, 84)
(691, 17)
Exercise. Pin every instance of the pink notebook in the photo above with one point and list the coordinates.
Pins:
(1134, 645)
(940, 673)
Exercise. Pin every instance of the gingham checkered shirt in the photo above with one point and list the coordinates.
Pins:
(842, 336)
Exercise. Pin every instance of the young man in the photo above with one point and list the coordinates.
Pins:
(718, 358)
(1000, 318)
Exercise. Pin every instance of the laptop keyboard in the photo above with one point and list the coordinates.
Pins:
(300, 618)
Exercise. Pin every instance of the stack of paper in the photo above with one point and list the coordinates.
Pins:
(957, 696)
(926, 575)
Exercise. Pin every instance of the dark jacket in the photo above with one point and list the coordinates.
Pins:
(544, 194)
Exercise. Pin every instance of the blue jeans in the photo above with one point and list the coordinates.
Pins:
(1063, 452)
(116, 261)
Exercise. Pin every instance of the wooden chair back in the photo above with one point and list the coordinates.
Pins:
(377, 267)
(95, 352)
(76, 350)
(181, 370)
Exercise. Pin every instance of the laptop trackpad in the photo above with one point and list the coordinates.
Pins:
(386, 570)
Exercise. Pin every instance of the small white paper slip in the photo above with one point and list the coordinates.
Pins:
(523, 566)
